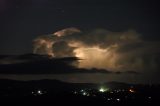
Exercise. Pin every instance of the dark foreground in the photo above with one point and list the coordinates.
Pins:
(53, 92)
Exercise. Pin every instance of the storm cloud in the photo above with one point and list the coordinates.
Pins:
(100, 48)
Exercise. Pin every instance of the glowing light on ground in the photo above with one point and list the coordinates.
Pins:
(39, 92)
(132, 90)
(84, 93)
(102, 89)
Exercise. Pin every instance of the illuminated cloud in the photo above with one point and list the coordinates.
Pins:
(43, 45)
(100, 48)
(67, 31)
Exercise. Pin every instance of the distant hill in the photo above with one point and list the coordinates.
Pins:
(60, 84)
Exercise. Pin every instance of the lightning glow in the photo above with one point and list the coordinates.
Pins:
(97, 49)
(97, 57)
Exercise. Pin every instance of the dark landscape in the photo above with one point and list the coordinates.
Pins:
(56, 92)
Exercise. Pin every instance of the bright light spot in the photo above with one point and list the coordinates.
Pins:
(103, 89)
(118, 99)
(84, 93)
(39, 92)
(149, 97)
(131, 90)
(81, 90)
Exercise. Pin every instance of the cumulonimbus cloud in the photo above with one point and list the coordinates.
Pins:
(101, 48)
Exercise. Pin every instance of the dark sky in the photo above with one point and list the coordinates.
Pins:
(23, 20)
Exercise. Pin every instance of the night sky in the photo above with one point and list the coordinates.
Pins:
(23, 21)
